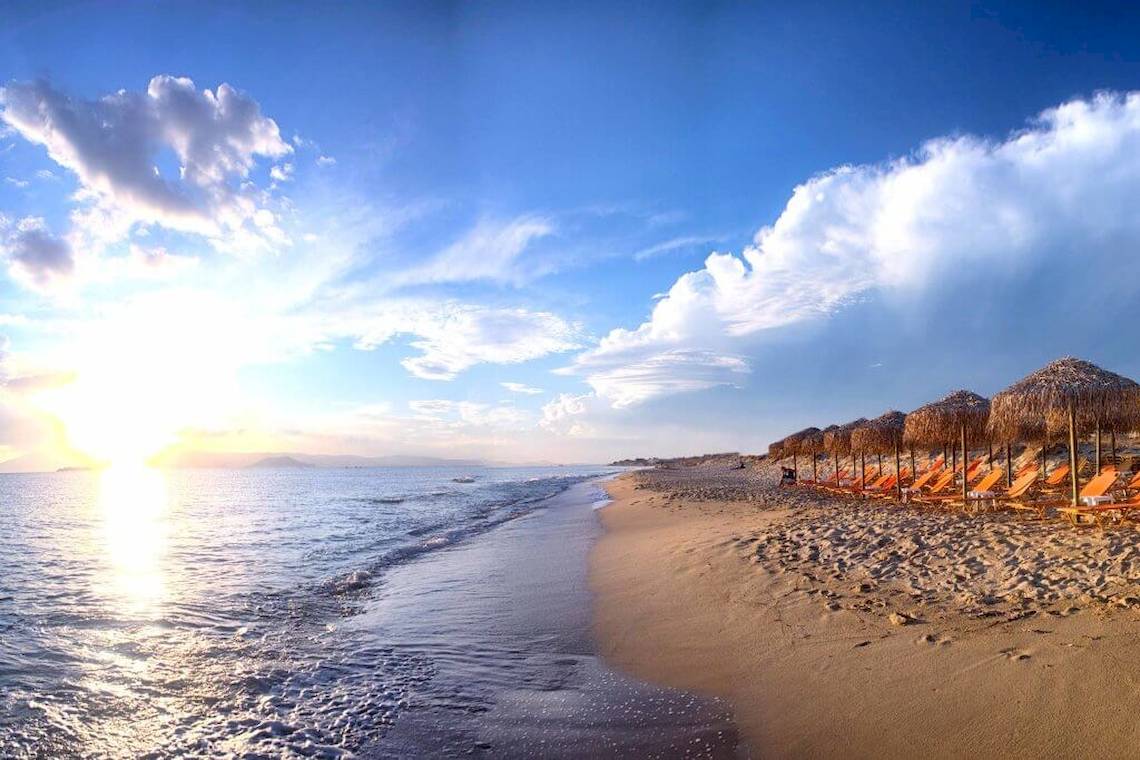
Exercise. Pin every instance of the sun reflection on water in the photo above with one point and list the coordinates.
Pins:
(133, 505)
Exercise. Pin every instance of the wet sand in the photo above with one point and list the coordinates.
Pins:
(836, 629)
(502, 627)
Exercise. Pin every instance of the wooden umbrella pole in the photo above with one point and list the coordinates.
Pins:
(913, 474)
(1097, 447)
(836, 457)
(1008, 466)
(898, 471)
(880, 460)
(1074, 476)
(1112, 436)
(990, 450)
(954, 457)
(862, 470)
(965, 459)
(814, 477)
(795, 467)
(1045, 458)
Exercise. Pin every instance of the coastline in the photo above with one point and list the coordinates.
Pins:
(502, 625)
(768, 604)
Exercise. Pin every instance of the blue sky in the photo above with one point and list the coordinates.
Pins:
(396, 209)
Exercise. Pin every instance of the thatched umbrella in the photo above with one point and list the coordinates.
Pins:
(792, 444)
(813, 444)
(960, 413)
(1078, 389)
(837, 442)
(881, 435)
(776, 450)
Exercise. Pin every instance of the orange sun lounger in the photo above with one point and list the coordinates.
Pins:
(981, 491)
(1098, 486)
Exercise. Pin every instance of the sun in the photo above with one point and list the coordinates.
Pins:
(138, 384)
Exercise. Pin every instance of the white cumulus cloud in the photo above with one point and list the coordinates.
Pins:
(1062, 190)
(115, 144)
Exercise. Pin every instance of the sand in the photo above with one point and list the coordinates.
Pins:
(836, 629)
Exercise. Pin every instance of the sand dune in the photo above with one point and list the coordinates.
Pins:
(838, 629)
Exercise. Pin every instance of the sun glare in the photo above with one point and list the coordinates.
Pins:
(132, 503)
(140, 382)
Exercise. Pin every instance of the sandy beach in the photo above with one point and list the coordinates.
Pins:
(835, 628)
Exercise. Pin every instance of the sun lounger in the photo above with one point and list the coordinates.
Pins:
(944, 481)
(1057, 476)
(980, 493)
(1097, 514)
(1098, 487)
(883, 487)
(1019, 487)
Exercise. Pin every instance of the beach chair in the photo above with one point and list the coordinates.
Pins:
(980, 493)
(1021, 486)
(923, 479)
(859, 484)
(944, 481)
(1057, 476)
(882, 487)
(1134, 483)
(1097, 488)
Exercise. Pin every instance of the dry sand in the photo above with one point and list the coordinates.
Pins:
(844, 630)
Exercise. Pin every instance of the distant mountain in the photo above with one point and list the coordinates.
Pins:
(241, 460)
(41, 462)
(236, 460)
(280, 463)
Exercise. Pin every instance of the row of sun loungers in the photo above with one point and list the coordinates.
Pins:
(1109, 496)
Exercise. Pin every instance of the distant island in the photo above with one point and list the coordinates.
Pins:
(280, 463)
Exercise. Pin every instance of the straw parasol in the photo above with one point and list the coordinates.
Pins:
(1079, 390)
(837, 442)
(776, 450)
(813, 444)
(792, 444)
(881, 435)
(962, 413)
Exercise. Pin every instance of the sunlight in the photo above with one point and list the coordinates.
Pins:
(141, 378)
(132, 504)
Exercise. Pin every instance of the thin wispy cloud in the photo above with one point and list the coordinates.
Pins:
(527, 390)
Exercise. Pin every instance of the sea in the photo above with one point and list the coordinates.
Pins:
(357, 612)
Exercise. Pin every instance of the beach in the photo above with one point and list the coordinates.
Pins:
(868, 629)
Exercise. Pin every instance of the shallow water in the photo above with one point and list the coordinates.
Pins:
(297, 613)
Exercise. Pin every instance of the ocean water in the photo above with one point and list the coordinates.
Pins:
(294, 613)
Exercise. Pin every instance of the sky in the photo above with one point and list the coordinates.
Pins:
(549, 232)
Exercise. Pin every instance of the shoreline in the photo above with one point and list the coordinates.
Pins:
(787, 614)
(503, 623)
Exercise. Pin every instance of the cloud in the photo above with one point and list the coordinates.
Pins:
(489, 251)
(566, 414)
(1054, 200)
(675, 244)
(115, 144)
(454, 337)
(470, 413)
(281, 172)
(521, 388)
(17, 183)
(34, 254)
(326, 161)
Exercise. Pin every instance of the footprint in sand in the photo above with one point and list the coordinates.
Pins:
(1015, 654)
(935, 639)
